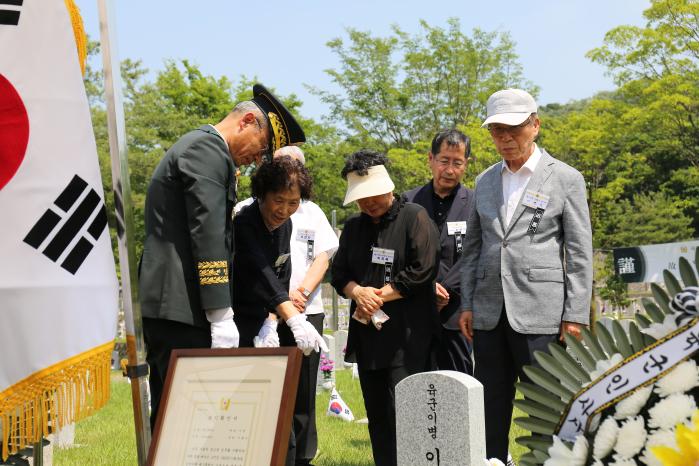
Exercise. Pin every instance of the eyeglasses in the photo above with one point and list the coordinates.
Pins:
(265, 150)
(445, 162)
(501, 130)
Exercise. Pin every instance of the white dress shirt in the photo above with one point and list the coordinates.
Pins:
(307, 217)
(513, 183)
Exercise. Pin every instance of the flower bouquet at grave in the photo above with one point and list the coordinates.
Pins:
(620, 397)
(326, 367)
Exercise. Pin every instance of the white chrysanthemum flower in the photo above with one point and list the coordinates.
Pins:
(606, 438)
(632, 405)
(561, 455)
(597, 463)
(604, 365)
(658, 331)
(631, 438)
(672, 410)
(681, 379)
(665, 437)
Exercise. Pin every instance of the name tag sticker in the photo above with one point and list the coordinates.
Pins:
(382, 256)
(456, 228)
(281, 260)
(305, 235)
(535, 200)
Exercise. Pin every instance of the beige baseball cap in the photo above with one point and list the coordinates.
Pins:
(509, 107)
(374, 183)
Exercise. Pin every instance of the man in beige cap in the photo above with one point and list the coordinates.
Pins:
(527, 265)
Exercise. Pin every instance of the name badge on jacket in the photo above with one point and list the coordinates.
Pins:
(384, 257)
(456, 228)
(535, 200)
(309, 237)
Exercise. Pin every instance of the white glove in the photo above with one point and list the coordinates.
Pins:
(307, 337)
(224, 333)
(268, 336)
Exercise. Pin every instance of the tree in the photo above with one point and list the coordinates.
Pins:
(616, 291)
(400, 89)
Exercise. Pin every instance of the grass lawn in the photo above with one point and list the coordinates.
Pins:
(107, 438)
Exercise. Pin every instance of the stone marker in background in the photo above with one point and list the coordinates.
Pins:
(440, 419)
(330, 341)
(322, 382)
(340, 344)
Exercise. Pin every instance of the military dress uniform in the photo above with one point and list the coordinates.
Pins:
(184, 269)
(188, 247)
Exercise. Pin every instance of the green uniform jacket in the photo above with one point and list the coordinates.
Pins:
(188, 246)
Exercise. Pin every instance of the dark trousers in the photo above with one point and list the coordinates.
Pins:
(162, 336)
(500, 354)
(454, 352)
(304, 436)
(378, 390)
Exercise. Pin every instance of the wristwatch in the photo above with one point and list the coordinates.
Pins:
(304, 291)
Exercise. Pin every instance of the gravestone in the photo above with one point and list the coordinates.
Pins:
(323, 382)
(440, 419)
(340, 344)
(330, 341)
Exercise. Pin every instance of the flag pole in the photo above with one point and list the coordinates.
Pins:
(137, 369)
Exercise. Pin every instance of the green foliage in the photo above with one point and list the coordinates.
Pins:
(403, 88)
(638, 147)
(616, 291)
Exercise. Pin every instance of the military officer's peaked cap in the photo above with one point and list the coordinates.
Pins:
(284, 129)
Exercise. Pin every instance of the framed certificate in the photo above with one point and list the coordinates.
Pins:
(226, 407)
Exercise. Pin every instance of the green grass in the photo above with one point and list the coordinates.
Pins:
(107, 438)
(342, 443)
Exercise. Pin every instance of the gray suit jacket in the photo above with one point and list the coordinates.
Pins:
(541, 278)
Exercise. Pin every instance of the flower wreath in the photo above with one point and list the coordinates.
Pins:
(623, 397)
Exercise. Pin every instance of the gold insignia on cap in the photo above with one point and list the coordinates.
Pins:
(279, 137)
(213, 272)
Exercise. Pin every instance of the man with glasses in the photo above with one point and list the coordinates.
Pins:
(185, 268)
(448, 204)
(527, 265)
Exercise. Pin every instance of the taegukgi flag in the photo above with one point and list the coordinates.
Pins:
(58, 287)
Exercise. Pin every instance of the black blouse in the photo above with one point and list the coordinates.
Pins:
(407, 337)
(261, 265)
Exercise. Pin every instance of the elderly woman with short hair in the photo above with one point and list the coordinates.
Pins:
(386, 264)
(261, 265)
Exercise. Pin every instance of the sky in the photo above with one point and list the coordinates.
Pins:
(283, 42)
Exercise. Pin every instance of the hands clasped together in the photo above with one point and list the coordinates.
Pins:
(368, 301)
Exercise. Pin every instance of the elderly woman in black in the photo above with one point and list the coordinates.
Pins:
(386, 264)
(261, 264)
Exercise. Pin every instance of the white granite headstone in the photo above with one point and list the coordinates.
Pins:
(440, 419)
(340, 345)
(330, 341)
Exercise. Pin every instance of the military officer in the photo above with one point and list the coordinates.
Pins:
(184, 272)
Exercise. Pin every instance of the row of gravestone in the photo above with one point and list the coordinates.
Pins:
(439, 414)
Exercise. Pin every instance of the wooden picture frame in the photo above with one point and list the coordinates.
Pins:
(219, 406)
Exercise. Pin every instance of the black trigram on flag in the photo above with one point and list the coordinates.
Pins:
(58, 239)
(9, 17)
